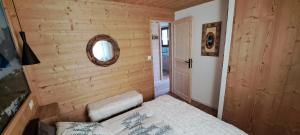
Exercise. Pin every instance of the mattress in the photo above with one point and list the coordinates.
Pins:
(167, 115)
(163, 116)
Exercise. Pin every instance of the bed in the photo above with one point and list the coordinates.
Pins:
(163, 116)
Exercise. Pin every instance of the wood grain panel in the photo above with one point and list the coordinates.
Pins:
(169, 4)
(262, 95)
(58, 32)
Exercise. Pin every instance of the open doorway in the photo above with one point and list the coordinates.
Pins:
(165, 53)
(160, 42)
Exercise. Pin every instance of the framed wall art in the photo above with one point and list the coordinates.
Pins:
(211, 33)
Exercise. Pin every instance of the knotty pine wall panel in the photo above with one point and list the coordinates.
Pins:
(263, 90)
(58, 32)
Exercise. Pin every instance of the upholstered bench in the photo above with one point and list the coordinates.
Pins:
(106, 108)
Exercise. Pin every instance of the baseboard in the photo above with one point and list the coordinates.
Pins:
(196, 100)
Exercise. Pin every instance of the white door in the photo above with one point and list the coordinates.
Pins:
(181, 58)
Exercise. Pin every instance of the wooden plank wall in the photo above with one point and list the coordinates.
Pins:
(58, 31)
(263, 93)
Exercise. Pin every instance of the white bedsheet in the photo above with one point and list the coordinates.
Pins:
(173, 116)
(162, 116)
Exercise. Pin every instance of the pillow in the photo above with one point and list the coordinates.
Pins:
(81, 128)
(108, 107)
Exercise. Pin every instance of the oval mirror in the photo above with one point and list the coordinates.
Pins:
(210, 40)
(102, 50)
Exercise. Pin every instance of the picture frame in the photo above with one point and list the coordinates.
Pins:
(211, 34)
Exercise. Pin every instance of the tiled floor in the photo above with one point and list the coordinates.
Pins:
(162, 87)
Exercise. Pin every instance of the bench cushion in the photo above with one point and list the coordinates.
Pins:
(108, 107)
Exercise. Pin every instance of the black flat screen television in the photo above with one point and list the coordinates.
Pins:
(13, 84)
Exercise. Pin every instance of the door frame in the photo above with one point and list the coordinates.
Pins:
(189, 18)
(228, 38)
(160, 49)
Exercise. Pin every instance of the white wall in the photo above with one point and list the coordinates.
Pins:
(206, 72)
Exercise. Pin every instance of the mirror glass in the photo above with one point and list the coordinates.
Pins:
(103, 50)
(210, 40)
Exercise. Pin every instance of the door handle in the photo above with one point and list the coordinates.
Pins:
(190, 62)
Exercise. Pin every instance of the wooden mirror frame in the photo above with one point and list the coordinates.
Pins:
(93, 41)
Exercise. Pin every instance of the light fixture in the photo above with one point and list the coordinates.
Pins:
(28, 56)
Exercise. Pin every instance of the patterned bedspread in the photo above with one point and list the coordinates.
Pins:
(135, 123)
(162, 116)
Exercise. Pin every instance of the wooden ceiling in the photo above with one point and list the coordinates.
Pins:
(169, 4)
